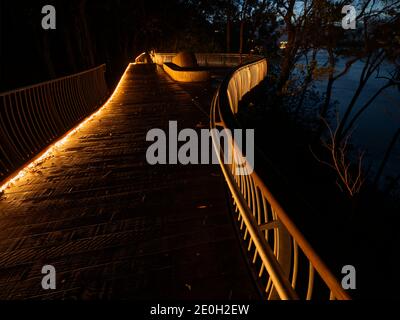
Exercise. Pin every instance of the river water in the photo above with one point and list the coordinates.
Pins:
(376, 127)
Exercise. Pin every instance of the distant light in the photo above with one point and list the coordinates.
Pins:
(283, 45)
(46, 154)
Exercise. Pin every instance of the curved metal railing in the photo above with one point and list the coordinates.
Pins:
(285, 264)
(33, 117)
(207, 59)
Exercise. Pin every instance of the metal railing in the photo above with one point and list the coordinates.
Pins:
(33, 117)
(284, 263)
(207, 59)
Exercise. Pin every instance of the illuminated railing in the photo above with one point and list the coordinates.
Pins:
(207, 59)
(283, 261)
(33, 117)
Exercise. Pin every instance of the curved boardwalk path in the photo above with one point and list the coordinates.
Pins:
(114, 226)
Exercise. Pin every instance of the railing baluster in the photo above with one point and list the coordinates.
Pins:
(16, 141)
(31, 120)
(262, 210)
(46, 114)
(295, 266)
(32, 117)
(36, 112)
(49, 111)
(310, 281)
(25, 124)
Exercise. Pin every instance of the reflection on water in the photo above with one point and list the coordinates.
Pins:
(376, 127)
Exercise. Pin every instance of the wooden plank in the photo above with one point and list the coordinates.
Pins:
(116, 227)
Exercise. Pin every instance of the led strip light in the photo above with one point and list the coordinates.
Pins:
(47, 153)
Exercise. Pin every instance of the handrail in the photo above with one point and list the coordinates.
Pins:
(273, 241)
(103, 66)
(33, 117)
(207, 59)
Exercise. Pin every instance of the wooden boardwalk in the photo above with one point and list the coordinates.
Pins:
(115, 227)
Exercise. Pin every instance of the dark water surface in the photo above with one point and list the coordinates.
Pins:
(376, 127)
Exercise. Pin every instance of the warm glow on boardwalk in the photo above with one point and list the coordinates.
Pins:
(49, 152)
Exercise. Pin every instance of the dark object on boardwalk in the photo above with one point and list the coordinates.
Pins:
(185, 60)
